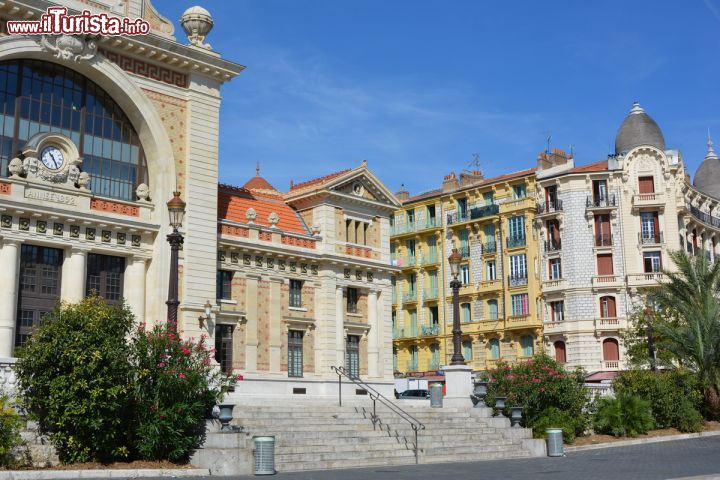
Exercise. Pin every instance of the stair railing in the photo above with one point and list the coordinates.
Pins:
(376, 396)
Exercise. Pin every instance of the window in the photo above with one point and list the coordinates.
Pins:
(492, 309)
(603, 237)
(649, 227)
(611, 350)
(37, 96)
(465, 274)
(413, 323)
(224, 284)
(432, 255)
(518, 269)
(491, 271)
(605, 264)
(434, 317)
(488, 197)
(600, 192)
(527, 345)
(560, 352)
(434, 356)
(494, 348)
(464, 235)
(467, 350)
(433, 291)
(555, 269)
(430, 213)
(651, 262)
(411, 283)
(519, 191)
(465, 313)
(519, 304)
(553, 235)
(516, 227)
(410, 217)
(295, 353)
(646, 185)
(410, 245)
(352, 355)
(105, 277)
(224, 346)
(551, 197)
(557, 311)
(462, 207)
(413, 363)
(352, 300)
(296, 293)
(607, 307)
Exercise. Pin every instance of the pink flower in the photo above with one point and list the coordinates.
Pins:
(239, 377)
(161, 365)
(185, 351)
(181, 376)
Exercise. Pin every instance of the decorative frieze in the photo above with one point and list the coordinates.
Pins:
(5, 188)
(358, 251)
(114, 207)
(297, 242)
(146, 69)
(233, 230)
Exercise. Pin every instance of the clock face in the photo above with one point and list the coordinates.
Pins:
(52, 158)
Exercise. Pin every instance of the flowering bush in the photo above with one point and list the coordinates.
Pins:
(175, 386)
(538, 384)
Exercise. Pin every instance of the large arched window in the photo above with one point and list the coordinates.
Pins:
(37, 96)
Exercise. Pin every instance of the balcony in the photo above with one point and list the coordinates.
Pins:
(408, 261)
(706, 218)
(430, 259)
(409, 297)
(520, 321)
(517, 280)
(603, 240)
(607, 281)
(457, 217)
(642, 200)
(600, 203)
(412, 227)
(487, 286)
(514, 242)
(611, 364)
(651, 238)
(493, 324)
(648, 279)
(430, 223)
(552, 246)
(549, 208)
(554, 285)
(489, 248)
(610, 324)
(519, 203)
(484, 211)
(430, 331)
(464, 251)
(431, 293)
(550, 328)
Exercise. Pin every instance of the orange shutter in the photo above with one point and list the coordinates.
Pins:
(605, 264)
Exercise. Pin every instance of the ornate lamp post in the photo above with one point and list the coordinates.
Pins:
(454, 260)
(176, 210)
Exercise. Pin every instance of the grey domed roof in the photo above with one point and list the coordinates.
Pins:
(707, 177)
(638, 129)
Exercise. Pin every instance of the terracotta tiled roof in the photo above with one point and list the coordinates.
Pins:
(234, 202)
(317, 181)
(430, 194)
(258, 183)
(592, 167)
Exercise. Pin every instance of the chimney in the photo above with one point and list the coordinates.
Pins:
(552, 159)
(470, 178)
(450, 183)
(402, 194)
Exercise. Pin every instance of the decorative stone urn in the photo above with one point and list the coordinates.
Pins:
(225, 417)
(500, 405)
(515, 416)
(479, 393)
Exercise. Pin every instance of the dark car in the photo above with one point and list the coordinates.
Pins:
(418, 394)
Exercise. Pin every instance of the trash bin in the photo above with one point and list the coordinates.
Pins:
(264, 455)
(554, 442)
(436, 395)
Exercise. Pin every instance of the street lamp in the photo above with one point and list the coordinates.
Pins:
(454, 260)
(176, 211)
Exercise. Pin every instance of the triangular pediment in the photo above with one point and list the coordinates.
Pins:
(362, 184)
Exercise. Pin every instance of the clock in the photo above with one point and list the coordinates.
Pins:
(52, 158)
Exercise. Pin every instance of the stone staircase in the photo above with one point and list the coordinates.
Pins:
(320, 435)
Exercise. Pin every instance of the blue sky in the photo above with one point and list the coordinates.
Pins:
(417, 87)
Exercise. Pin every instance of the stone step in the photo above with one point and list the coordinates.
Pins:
(344, 464)
(289, 441)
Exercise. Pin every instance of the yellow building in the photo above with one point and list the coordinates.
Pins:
(490, 222)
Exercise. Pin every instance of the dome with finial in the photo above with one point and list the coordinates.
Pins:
(259, 183)
(707, 177)
(638, 129)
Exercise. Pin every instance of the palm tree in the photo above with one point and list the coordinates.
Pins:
(692, 331)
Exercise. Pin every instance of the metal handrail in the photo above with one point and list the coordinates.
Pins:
(376, 396)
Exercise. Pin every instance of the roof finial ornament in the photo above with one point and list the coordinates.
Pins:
(363, 164)
(710, 150)
(257, 168)
(636, 108)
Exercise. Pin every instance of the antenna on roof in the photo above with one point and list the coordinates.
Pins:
(572, 150)
(257, 168)
(549, 138)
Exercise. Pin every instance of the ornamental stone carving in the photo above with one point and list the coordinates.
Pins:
(197, 23)
(273, 219)
(143, 192)
(16, 168)
(83, 181)
(70, 47)
(251, 215)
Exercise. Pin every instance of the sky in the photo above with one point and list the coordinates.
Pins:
(418, 87)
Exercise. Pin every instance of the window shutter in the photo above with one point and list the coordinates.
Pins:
(560, 352)
(646, 185)
(605, 264)
(611, 350)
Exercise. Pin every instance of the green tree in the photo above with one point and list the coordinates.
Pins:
(691, 331)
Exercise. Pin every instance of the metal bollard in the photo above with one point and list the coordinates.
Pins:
(436, 395)
(554, 442)
(264, 455)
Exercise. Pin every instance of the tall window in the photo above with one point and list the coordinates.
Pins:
(105, 277)
(467, 350)
(430, 214)
(492, 309)
(516, 227)
(433, 315)
(555, 268)
(410, 218)
(413, 364)
(519, 304)
(652, 262)
(433, 293)
(465, 315)
(603, 237)
(37, 96)
(557, 311)
(560, 352)
(553, 234)
(489, 232)
(410, 245)
(527, 345)
(413, 323)
(518, 268)
(488, 198)
(465, 274)
(434, 356)
(494, 348)
(224, 346)
(600, 191)
(352, 355)
(607, 307)
(611, 350)
(551, 197)
(519, 191)
(491, 271)
(464, 235)
(432, 249)
(462, 207)
(224, 285)
(296, 293)
(649, 227)
(295, 353)
(352, 300)
(605, 264)
(411, 283)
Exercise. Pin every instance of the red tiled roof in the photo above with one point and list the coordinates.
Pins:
(592, 167)
(258, 183)
(318, 181)
(430, 194)
(598, 376)
(233, 203)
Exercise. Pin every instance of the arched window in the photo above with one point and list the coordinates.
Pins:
(560, 352)
(467, 350)
(494, 348)
(37, 96)
(611, 350)
(607, 307)
(526, 343)
(465, 313)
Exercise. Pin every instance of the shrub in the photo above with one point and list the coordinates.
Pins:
(689, 419)
(666, 392)
(176, 385)
(538, 384)
(551, 417)
(10, 425)
(624, 415)
(75, 379)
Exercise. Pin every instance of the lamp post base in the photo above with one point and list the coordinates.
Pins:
(458, 386)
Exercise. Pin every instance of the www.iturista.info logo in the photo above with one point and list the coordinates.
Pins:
(57, 22)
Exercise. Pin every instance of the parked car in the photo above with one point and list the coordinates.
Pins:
(418, 394)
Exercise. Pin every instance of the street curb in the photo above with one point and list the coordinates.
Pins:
(115, 473)
(642, 441)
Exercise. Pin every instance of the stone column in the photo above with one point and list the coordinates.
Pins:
(135, 274)
(74, 274)
(275, 328)
(251, 330)
(339, 326)
(373, 353)
(10, 261)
